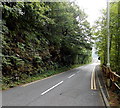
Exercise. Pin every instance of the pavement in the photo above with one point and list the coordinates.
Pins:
(76, 87)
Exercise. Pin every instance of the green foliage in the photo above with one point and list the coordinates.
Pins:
(42, 36)
(101, 37)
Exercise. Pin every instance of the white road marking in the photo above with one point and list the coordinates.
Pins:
(40, 80)
(24, 85)
(71, 75)
(51, 88)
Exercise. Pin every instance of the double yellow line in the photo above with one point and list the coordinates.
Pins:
(93, 81)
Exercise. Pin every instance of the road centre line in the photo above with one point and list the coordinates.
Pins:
(40, 80)
(24, 85)
(52, 88)
(71, 75)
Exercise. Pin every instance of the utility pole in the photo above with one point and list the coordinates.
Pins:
(108, 34)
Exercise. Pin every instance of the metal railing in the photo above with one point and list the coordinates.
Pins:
(113, 79)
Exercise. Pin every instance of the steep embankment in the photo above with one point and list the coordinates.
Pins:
(37, 37)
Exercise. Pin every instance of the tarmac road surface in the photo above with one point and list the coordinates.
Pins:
(76, 87)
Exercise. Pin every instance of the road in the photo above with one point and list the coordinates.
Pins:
(76, 87)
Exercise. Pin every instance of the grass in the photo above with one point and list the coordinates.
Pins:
(39, 76)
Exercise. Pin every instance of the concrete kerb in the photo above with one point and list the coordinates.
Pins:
(105, 100)
(107, 105)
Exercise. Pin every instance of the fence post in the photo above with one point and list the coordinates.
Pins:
(108, 77)
(111, 78)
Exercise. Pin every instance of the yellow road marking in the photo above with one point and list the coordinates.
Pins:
(93, 81)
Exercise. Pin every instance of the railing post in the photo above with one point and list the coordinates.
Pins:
(112, 78)
(108, 77)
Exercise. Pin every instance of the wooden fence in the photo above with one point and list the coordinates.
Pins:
(113, 79)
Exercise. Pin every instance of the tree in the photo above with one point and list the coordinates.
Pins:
(40, 36)
(101, 37)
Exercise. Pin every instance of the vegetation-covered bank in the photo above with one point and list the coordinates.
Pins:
(38, 77)
(42, 36)
(100, 30)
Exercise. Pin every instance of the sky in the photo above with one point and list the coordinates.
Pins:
(92, 8)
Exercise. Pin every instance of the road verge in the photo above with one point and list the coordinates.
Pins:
(102, 87)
